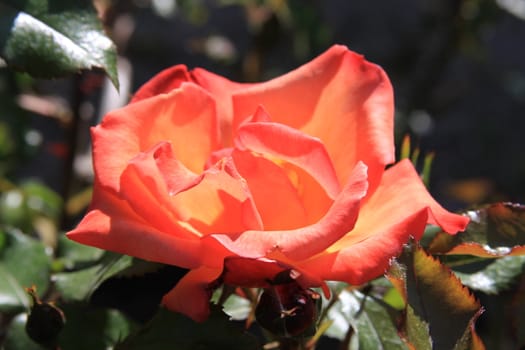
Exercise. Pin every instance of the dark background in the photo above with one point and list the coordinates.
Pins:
(458, 70)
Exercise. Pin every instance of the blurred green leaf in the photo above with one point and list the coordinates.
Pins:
(440, 311)
(414, 155)
(52, 38)
(41, 199)
(23, 263)
(14, 210)
(16, 336)
(495, 230)
(88, 328)
(370, 319)
(496, 277)
(72, 255)
(405, 148)
(78, 285)
(25, 205)
(427, 167)
(168, 330)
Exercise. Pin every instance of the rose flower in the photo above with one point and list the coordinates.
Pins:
(239, 182)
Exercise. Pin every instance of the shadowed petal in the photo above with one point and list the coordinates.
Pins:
(262, 273)
(191, 296)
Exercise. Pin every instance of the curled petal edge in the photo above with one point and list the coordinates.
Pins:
(301, 243)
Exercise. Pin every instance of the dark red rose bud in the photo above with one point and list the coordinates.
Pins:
(287, 309)
(44, 322)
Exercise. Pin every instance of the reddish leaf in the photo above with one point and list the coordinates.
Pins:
(440, 312)
(494, 231)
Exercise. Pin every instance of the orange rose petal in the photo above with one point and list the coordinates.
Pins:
(400, 194)
(338, 97)
(400, 208)
(369, 258)
(275, 197)
(164, 82)
(149, 180)
(314, 198)
(112, 225)
(285, 143)
(220, 203)
(185, 116)
(260, 115)
(187, 119)
(191, 295)
(304, 242)
(159, 188)
(221, 89)
(401, 191)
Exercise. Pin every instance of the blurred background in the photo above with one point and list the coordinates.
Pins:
(458, 70)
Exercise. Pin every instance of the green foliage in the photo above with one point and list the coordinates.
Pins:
(364, 321)
(23, 263)
(496, 277)
(71, 255)
(85, 329)
(440, 311)
(168, 330)
(414, 155)
(495, 230)
(78, 285)
(48, 39)
(88, 328)
(24, 205)
(17, 337)
(237, 308)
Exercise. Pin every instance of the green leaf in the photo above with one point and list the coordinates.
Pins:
(14, 210)
(41, 199)
(405, 148)
(78, 285)
(23, 263)
(440, 311)
(168, 330)
(52, 38)
(494, 231)
(238, 308)
(369, 318)
(72, 255)
(88, 328)
(16, 336)
(496, 277)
